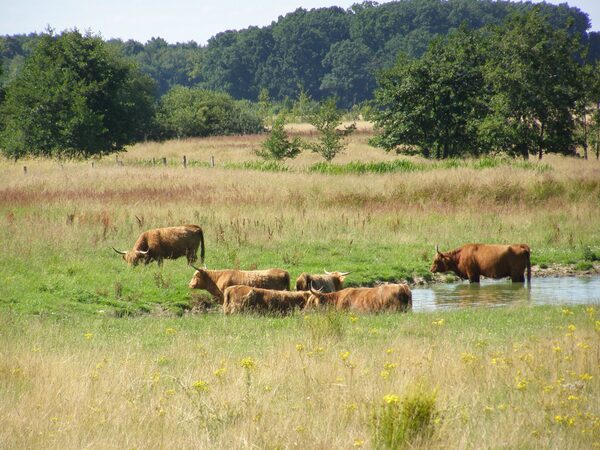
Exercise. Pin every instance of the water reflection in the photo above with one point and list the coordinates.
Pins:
(493, 293)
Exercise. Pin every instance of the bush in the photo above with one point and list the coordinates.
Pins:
(191, 112)
(396, 423)
(278, 145)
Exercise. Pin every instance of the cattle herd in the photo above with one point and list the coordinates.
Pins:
(269, 290)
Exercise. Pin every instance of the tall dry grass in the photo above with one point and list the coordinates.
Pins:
(306, 381)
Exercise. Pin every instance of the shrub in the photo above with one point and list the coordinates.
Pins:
(396, 422)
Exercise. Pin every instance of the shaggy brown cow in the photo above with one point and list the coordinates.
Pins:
(391, 297)
(166, 243)
(215, 281)
(494, 261)
(330, 282)
(245, 298)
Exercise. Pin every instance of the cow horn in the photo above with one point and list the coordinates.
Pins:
(313, 290)
(142, 252)
(437, 248)
(326, 273)
(119, 251)
(193, 266)
(343, 274)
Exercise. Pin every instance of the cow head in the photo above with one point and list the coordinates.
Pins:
(200, 279)
(337, 278)
(315, 298)
(132, 257)
(442, 262)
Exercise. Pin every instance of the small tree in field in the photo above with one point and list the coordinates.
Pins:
(331, 139)
(278, 145)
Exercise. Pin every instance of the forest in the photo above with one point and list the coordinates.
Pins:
(324, 52)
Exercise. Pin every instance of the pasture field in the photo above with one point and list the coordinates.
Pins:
(60, 222)
(95, 354)
(515, 377)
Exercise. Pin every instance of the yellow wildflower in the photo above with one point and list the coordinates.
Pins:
(200, 386)
(170, 392)
(88, 336)
(391, 399)
(358, 442)
(585, 376)
(299, 348)
(567, 312)
(344, 355)
(438, 322)
(170, 331)
(248, 363)
(385, 374)
(521, 384)
(468, 358)
(389, 366)
(353, 318)
(220, 372)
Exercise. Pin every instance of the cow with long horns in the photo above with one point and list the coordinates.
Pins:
(386, 297)
(166, 243)
(216, 281)
(471, 261)
(330, 282)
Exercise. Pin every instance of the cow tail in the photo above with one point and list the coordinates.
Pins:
(201, 246)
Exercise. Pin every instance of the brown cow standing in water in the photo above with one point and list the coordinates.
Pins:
(471, 261)
(330, 282)
(166, 243)
(386, 297)
(215, 281)
(245, 298)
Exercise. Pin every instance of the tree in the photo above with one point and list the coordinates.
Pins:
(189, 112)
(350, 76)
(594, 98)
(74, 97)
(433, 104)
(535, 79)
(331, 139)
(278, 145)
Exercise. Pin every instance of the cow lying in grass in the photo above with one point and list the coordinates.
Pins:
(387, 297)
(251, 299)
(216, 281)
(330, 282)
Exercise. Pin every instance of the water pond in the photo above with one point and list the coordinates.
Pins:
(493, 293)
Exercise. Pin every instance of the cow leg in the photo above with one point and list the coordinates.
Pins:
(518, 277)
(473, 277)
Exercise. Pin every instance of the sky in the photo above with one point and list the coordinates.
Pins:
(172, 20)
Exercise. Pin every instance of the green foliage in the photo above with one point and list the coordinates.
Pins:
(278, 146)
(74, 97)
(188, 112)
(261, 166)
(397, 423)
(432, 103)
(534, 78)
(330, 141)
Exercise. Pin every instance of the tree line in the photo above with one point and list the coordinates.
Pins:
(324, 52)
(523, 85)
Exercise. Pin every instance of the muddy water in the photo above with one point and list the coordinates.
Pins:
(493, 293)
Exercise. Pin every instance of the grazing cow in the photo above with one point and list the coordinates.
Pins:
(166, 243)
(215, 281)
(246, 298)
(494, 261)
(391, 297)
(330, 282)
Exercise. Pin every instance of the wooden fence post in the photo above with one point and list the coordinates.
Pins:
(164, 160)
(25, 170)
(184, 162)
(212, 161)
